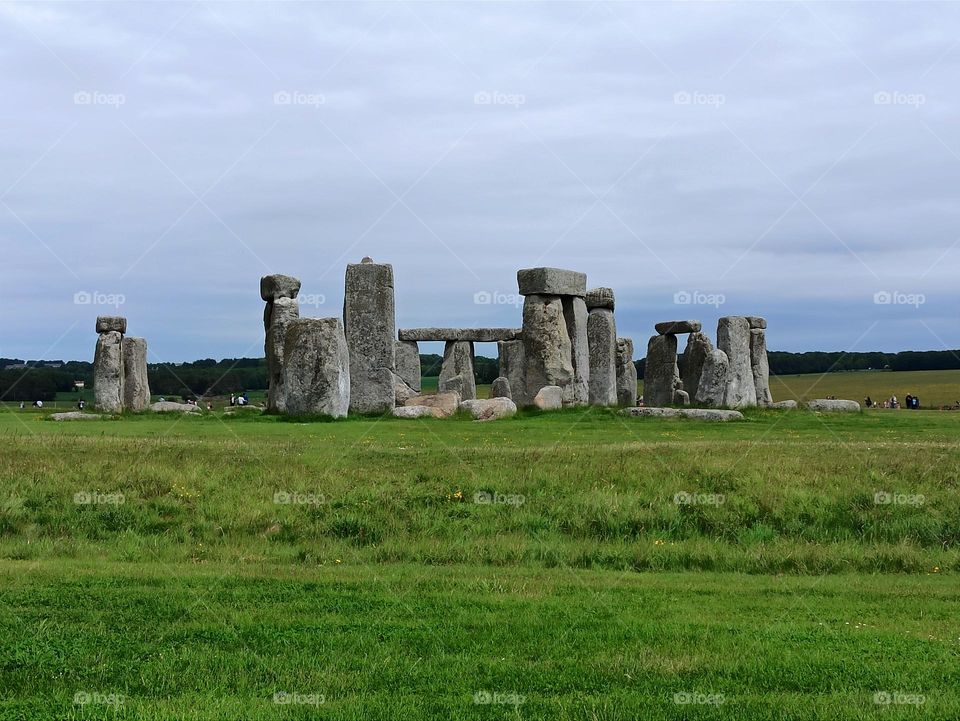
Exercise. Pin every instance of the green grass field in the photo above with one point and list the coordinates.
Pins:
(569, 565)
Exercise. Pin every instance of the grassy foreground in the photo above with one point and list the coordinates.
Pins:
(572, 565)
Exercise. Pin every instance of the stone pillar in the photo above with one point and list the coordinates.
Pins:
(512, 367)
(108, 364)
(136, 386)
(660, 377)
(602, 339)
(546, 345)
(576, 315)
(626, 374)
(316, 368)
(369, 319)
(458, 364)
(733, 338)
(408, 363)
(699, 346)
(713, 379)
(280, 294)
(759, 365)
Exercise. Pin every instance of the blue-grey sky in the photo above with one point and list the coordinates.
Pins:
(795, 160)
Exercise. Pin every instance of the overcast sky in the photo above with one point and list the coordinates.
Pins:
(777, 159)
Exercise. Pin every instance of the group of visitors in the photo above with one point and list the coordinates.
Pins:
(239, 400)
(911, 402)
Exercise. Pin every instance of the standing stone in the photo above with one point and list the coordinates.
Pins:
(760, 366)
(408, 363)
(136, 387)
(733, 338)
(681, 397)
(602, 335)
(713, 379)
(756, 322)
(500, 388)
(660, 376)
(458, 361)
(600, 298)
(316, 368)
(369, 321)
(549, 398)
(546, 346)
(576, 315)
(108, 372)
(626, 373)
(699, 346)
(278, 316)
(513, 368)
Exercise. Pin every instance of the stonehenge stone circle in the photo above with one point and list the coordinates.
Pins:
(316, 368)
(500, 388)
(626, 373)
(136, 387)
(278, 315)
(108, 372)
(600, 298)
(733, 338)
(760, 366)
(551, 281)
(111, 323)
(458, 361)
(370, 325)
(602, 338)
(678, 327)
(712, 388)
(691, 362)
(661, 375)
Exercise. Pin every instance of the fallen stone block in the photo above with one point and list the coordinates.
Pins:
(830, 405)
(549, 398)
(445, 403)
(489, 409)
(784, 405)
(701, 414)
(172, 407)
(76, 416)
(417, 412)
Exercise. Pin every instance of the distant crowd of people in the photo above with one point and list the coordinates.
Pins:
(911, 402)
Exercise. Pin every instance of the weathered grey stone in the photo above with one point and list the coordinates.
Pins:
(490, 409)
(513, 368)
(600, 298)
(370, 325)
(316, 368)
(111, 323)
(445, 404)
(546, 345)
(681, 397)
(784, 405)
(712, 388)
(602, 337)
(136, 386)
(551, 281)
(576, 315)
(408, 363)
(108, 372)
(702, 414)
(76, 416)
(654, 412)
(733, 338)
(458, 361)
(626, 373)
(417, 412)
(678, 327)
(500, 388)
(277, 286)
(833, 405)
(451, 384)
(549, 398)
(756, 321)
(477, 335)
(661, 375)
(691, 362)
(402, 392)
(760, 367)
(278, 316)
(171, 407)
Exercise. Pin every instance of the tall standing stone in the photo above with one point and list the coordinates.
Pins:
(733, 338)
(760, 366)
(575, 313)
(108, 372)
(279, 292)
(513, 368)
(691, 362)
(136, 386)
(713, 379)
(458, 363)
(660, 377)
(546, 345)
(316, 368)
(408, 362)
(369, 319)
(626, 374)
(602, 338)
